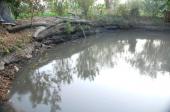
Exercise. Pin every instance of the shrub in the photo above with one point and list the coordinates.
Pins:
(85, 6)
(152, 7)
(134, 7)
(122, 10)
(69, 28)
(61, 7)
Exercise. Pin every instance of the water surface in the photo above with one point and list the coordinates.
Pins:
(123, 71)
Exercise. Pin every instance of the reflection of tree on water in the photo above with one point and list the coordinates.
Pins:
(153, 58)
(132, 45)
(86, 65)
(91, 60)
(42, 90)
(45, 84)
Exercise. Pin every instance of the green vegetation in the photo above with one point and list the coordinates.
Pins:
(152, 7)
(69, 28)
(88, 8)
(85, 6)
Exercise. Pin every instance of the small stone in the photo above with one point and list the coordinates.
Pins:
(8, 92)
(16, 68)
(28, 56)
(2, 65)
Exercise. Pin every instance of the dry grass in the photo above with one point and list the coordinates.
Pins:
(10, 42)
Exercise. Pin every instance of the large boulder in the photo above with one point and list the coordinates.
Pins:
(5, 13)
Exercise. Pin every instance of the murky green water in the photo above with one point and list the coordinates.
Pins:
(124, 71)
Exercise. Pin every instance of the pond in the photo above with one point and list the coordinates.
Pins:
(123, 71)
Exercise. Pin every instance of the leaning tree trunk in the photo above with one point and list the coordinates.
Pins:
(5, 13)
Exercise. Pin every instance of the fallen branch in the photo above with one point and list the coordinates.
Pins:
(26, 26)
(61, 27)
(75, 20)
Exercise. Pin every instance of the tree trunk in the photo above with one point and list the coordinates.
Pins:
(108, 4)
(167, 16)
(5, 13)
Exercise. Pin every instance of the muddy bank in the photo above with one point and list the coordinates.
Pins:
(10, 65)
(51, 32)
(6, 77)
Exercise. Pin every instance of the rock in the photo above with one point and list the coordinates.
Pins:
(16, 68)
(28, 56)
(46, 46)
(1, 19)
(2, 65)
(27, 52)
(5, 13)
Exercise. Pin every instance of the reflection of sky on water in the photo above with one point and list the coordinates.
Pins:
(104, 74)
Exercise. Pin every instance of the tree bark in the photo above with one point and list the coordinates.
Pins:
(108, 4)
(167, 16)
(25, 26)
(62, 27)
